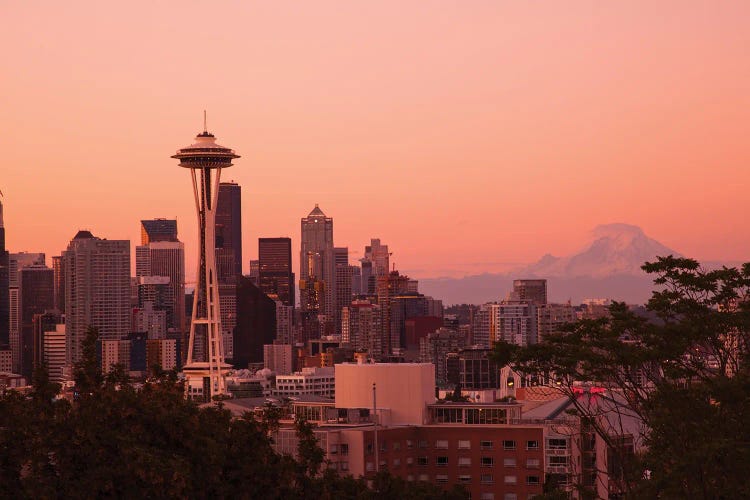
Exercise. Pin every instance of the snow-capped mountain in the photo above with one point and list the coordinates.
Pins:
(608, 267)
(616, 249)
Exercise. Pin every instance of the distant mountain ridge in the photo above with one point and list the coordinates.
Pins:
(608, 267)
(616, 249)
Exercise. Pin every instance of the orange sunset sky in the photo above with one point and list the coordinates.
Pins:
(466, 135)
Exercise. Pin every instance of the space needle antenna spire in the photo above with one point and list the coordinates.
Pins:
(205, 368)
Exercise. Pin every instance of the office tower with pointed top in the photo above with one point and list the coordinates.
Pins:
(317, 281)
(205, 372)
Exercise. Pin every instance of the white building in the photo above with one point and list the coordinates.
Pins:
(403, 390)
(115, 352)
(310, 381)
(54, 353)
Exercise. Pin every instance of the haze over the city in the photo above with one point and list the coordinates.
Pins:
(468, 139)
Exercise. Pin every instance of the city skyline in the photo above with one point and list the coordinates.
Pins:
(604, 118)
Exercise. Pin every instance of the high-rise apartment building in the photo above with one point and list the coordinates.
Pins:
(97, 290)
(529, 291)
(434, 348)
(53, 352)
(361, 327)
(229, 231)
(275, 276)
(4, 286)
(284, 323)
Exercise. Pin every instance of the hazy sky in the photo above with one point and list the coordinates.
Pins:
(464, 134)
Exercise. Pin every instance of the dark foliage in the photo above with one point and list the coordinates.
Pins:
(684, 375)
(116, 441)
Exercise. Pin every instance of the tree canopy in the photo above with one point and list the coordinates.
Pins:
(116, 440)
(683, 372)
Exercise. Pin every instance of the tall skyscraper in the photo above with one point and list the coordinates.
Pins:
(4, 285)
(161, 254)
(59, 279)
(275, 268)
(389, 286)
(205, 373)
(343, 282)
(379, 256)
(97, 290)
(317, 283)
(229, 230)
(154, 230)
(36, 283)
(256, 323)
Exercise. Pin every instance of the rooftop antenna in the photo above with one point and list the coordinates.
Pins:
(205, 128)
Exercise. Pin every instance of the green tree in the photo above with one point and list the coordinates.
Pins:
(682, 374)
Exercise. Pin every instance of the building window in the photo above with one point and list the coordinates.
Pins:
(409, 444)
(464, 461)
(424, 477)
(509, 444)
(441, 478)
(464, 479)
(344, 448)
(532, 445)
(487, 495)
(370, 467)
(334, 449)
(533, 463)
(409, 461)
(509, 462)
(441, 444)
(487, 479)
(410, 477)
(510, 480)
(369, 448)
(442, 462)
(396, 445)
(510, 496)
(422, 461)
(558, 461)
(486, 445)
(396, 462)
(423, 444)
(344, 465)
(488, 462)
(558, 444)
(532, 480)
(464, 444)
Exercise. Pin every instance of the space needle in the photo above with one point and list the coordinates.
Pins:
(205, 369)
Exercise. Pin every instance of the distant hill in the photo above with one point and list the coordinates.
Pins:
(608, 267)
